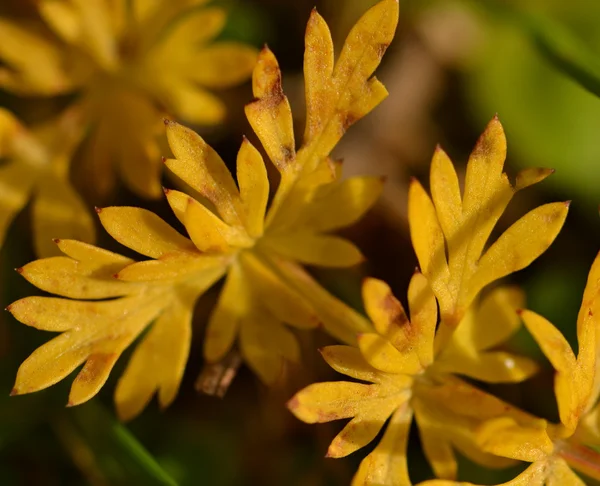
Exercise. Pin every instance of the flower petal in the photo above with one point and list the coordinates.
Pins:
(381, 354)
(16, 182)
(423, 315)
(143, 231)
(254, 187)
(349, 361)
(223, 64)
(312, 249)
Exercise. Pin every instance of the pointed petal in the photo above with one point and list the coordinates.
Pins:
(254, 187)
(384, 310)
(223, 64)
(312, 249)
(381, 354)
(92, 377)
(445, 193)
(207, 231)
(194, 104)
(270, 115)
(423, 315)
(93, 258)
(234, 303)
(350, 362)
(387, 465)
(143, 231)
(438, 450)
(198, 165)
(58, 211)
(179, 202)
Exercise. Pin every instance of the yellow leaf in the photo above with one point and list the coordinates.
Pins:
(198, 165)
(143, 231)
(227, 64)
(254, 187)
(349, 361)
(179, 202)
(93, 258)
(314, 249)
(270, 115)
(16, 182)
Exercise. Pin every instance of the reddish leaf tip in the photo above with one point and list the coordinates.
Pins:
(19, 270)
(56, 240)
(293, 403)
(520, 311)
(69, 404)
(168, 122)
(97, 209)
(166, 190)
(567, 204)
(417, 270)
(495, 117)
(14, 392)
(163, 159)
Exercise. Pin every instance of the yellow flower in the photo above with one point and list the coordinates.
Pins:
(230, 233)
(554, 449)
(128, 61)
(36, 168)
(409, 370)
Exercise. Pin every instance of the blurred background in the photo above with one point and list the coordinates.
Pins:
(452, 66)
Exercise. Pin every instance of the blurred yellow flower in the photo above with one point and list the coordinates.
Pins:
(36, 166)
(130, 63)
(230, 233)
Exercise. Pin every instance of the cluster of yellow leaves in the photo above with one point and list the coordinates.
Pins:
(130, 63)
(230, 233)
(411, 369)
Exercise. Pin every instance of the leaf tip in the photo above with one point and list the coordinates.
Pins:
(13, 392)
(166, 190)
(168, 122)
(19, 270)
(97, 209)
(56, 240)
(163, 159)
(567, 204)
(8, 307)
(293, 403)
(520, 312)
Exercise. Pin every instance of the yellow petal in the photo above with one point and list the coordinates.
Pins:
(318, 69)
(337, 318)
(531, 176)
(179, 202)
(349, 361)
(193, 29)
(207, 231)
(322, 250)
(36, 64)
(93, 258)
(66, 277)
(270, 115)
(266, 344)
(423, 316)
(158, 362)
(361, 430)
(381, 354)
(254, 187)
(193, 104)
(520, 244)
(283, 301)
(223, 64)
(101, 341)
(62, 17)
(233, 304)
(343, 205)
(438, 450)
(387, 465)
(143, 231)
(503, 437)
(445, 193)
(386, 312)
(16, 181)
(324, 402)
(58, 211)
(198, 165)
(173, 267)
(428, 241)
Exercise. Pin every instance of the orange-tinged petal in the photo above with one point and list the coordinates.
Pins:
(198, 165)
(58, 211)
(381, 354)
(158, 362)
(314, 249)
(384, 310)
(173, 267)
(283, 301)
(223, 64)
(92, 377)
(143, 231)
(270, 115)
(343, 204)
(266, 344)
(254, 187)
(503, 437)
(387, 464)
(66, 277)
(234, 303)
(531, 176)
(428, 241)
(520, 244)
